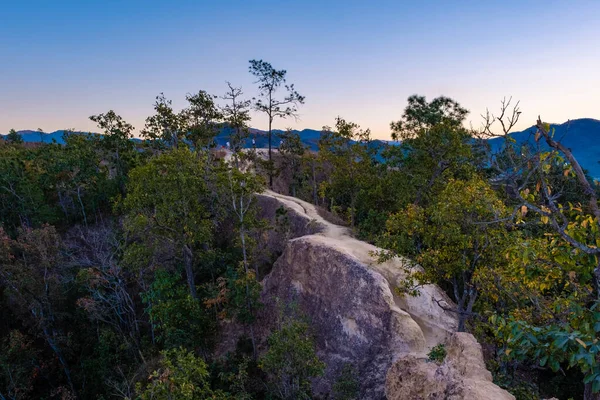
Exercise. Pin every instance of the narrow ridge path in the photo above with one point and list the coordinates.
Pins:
(434, 322)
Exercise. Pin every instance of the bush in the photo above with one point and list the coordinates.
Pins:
(438, 353)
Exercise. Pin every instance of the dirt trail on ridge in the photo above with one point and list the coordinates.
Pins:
(435, 323)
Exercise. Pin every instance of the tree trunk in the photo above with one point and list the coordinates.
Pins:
(248, 303)
(270, 156)
(587, 393)
(50, 340)
(81, 204)
(596, 280)
(188, 264)
(315, 198)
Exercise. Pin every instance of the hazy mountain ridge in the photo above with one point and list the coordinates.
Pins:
(582, 136)
(310, 137)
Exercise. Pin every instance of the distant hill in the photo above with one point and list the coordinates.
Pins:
(37, 137)
(582, 136)
(310, 137)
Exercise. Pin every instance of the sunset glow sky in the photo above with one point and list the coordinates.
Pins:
(62, 61)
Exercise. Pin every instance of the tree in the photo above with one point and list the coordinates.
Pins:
(435, 146)
(559, 324)
(14, 137)
(18, 370)
(457, 241)
(178, 319)
(269, 81)
(108, 298)
(243, 187)
(167, 198)
(292, 150)
(117, 143)
(291, 360)
(182, 376)
(236, 114)
(23, 200)
(32, 273)
(419, 115)
(346, 149)
(165, 128)
(203, 116)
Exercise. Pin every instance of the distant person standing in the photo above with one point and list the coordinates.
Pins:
(228, 146)
(253, 143)
(281, 143)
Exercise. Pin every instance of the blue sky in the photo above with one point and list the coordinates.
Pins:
(61, 61)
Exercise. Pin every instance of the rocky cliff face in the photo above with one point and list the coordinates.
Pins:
(461, 376)
(356, 316)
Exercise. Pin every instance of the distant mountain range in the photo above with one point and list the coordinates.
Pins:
(310, 137)
(582, 136)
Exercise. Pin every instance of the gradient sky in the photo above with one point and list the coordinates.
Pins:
(62, 61)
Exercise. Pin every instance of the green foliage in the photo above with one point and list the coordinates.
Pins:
(181, 375)
(203, 116)
(167, 196)
(420, 115)
(243, 295)
(291, 360)
(347, 385)
(168, 199)
(457, 240)
(166, 128)
(437, 353)
(14, 137)
(236, 114)
(23, 200)
(178, 319)
(18, 366)
(347, 151)
(269, 81)
(119, 149)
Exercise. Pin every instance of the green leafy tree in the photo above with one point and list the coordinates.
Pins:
(243, 187)
(292, 151)
(457, 241)
(269, 81)
(203, 117)
(166, 128)
(23, 200)
(117, 144)
(75, 175)
(347, 385)
(346, 149)
(435, 147)
(167, 199)
(32, 274)
(556, 206)
(178, 319)
(291, 360)
(14, 137)
(420, 115)
(181, 376)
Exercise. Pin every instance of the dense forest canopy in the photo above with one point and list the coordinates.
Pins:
(120, 260)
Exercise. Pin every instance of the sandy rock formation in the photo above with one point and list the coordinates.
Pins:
(461, 376)
(356, 316)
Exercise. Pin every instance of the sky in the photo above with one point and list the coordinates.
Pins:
(64, 60)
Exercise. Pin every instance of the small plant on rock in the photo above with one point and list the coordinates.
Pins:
(437, 353)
